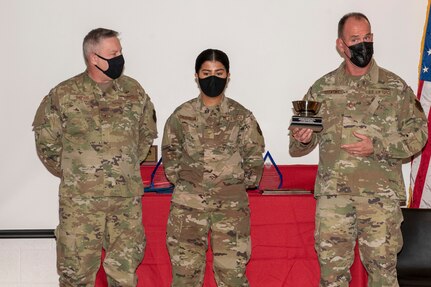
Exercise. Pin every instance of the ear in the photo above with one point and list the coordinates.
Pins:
(92, 59)
(227, 81)
(339, 45)
(197, 80)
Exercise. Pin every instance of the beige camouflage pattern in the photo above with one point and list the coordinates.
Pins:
(211, 154)
(359, 197)
(87, 225)
(375, 222)
(187, 241)
(94, 138)
(379, 105)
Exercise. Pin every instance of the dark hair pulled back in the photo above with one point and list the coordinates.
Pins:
(212, 55)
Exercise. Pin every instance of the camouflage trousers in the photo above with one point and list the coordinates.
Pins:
(187, 241)
(87, 225)
(374, 222)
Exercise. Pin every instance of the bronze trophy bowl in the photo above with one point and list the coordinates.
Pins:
(305, 117)
(306, 108)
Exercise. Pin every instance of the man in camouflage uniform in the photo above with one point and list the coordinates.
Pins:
(371, 121)
(93, 131)
(212, 151)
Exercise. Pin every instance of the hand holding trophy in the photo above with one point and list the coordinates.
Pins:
(305, 116)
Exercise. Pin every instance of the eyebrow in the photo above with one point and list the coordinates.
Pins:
(358, 36)
(115, 50)
(218, 70)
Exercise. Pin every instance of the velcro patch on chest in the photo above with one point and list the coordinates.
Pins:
(379, 92)
(187, 118)
(333, 92)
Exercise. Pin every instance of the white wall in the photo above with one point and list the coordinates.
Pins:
(28, 263)
(277, 50)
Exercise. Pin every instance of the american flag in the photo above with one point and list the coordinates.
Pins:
(420, 176)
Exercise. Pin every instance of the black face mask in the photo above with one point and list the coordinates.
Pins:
(212, 86)
(361, 53)
(115, 66)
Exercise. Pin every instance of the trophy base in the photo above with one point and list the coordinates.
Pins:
(314, 123)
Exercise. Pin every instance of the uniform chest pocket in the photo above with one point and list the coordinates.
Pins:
(225, 136)
(229, 139)
(131, 107)
(332, 111)
(385, 115)
(192, 133)
(122, 114)
(78, 118)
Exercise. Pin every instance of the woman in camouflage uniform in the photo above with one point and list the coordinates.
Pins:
(212, 151)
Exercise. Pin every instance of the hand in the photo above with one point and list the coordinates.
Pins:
(302, 135)
(362, 148)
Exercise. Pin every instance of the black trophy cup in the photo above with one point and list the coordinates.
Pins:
(306, 116)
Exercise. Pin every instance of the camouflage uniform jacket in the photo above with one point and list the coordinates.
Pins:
(94, 140)
(212, 154)
(379, 105)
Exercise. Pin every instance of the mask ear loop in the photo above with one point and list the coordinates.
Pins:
(344, 52)
(197, 83)
(227, 83)
(101, 57)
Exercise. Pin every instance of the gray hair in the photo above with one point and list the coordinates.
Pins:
(93, 39)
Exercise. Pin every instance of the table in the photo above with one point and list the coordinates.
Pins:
(283, 253)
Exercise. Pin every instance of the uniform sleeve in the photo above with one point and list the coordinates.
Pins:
(47, 130)
(296, 148)
(252, 148)
(412, 131)
(172, 148)
(147, 128)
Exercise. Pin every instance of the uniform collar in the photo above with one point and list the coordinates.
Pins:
(371, 76)
(92, 85)
(223, 106)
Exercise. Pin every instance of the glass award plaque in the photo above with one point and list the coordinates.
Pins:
(159, 183)
(272, 178)
(271, 182)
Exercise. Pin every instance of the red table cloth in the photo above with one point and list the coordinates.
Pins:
(282, 229)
